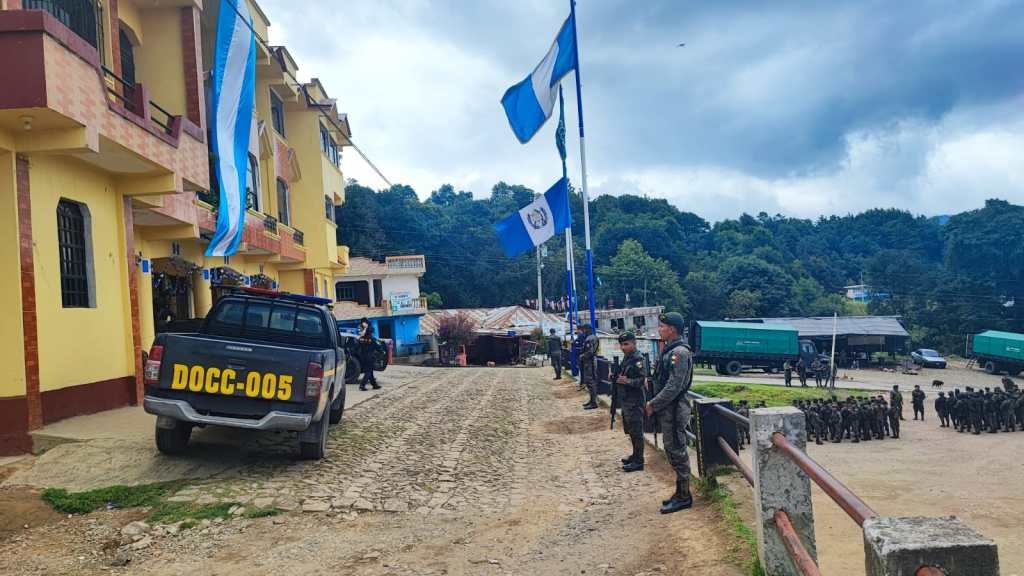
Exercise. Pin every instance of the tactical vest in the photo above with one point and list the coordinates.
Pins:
(664, 368)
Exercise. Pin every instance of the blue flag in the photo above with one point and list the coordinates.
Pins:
(234, 86)
(536, 222)
(528, 104)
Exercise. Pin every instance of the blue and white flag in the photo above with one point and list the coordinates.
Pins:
(528, 104)
(537, 221)
(234, 78)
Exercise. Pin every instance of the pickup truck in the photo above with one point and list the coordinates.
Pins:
(262, 360)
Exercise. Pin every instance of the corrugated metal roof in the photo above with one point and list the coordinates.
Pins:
(845, 325)
(499, 321)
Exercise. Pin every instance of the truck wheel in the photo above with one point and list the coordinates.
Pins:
(733, 368)
(771, 370)
(315, 450)
(338, 407)
(173, 440)
(352, 370)
(1014, 372)
(990, 367)
(720, 369)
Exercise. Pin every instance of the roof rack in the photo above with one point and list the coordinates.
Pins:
(287, 296)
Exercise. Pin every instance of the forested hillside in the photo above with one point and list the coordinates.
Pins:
(947, 277)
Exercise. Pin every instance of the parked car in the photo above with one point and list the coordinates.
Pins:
(927, 358)
(349, 341)
(262, 360)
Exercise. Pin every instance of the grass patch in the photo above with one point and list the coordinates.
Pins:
(720, 497)
(772, 395)
(171, 512)
(115, 496)
(254, 513)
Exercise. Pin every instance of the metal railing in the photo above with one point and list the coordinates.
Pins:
(129, 95)
(121, 90)
(163, 118)
(80, 16)
(298, 237)
(270, 224)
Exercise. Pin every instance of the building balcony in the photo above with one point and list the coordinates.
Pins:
(406, 264)
(348, 310)
(408, 307)
(263, 235)
(57, 98)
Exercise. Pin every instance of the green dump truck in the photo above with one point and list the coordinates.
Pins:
(732, 347)
(999, 352)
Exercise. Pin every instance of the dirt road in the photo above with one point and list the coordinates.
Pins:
(464, 471)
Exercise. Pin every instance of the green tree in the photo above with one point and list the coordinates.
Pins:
(644, 278)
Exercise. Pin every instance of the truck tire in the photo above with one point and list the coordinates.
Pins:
(720, 369)
(316, 449)
(990, 367)
(771, 370)
(173, 440)
(733, 367)
(338, 407)
(352, 369)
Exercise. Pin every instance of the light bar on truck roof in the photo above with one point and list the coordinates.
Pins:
(287, 296)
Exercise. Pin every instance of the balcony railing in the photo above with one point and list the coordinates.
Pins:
(270, 224)
(298, 237)
(131, 98)
(409, 305)
(405, 263)
(251, 202)
(80, 16)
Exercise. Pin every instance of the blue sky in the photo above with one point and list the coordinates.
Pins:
(799, 108)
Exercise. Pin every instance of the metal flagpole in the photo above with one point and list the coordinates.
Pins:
(832, 363)
(540, 292)
(583, 168)
(570, 278)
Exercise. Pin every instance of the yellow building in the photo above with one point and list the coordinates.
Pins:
(106, 205)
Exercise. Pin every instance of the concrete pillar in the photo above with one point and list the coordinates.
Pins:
(369, 284)
(147, 330)
(900, 546)
(780, 485)
(202, 292)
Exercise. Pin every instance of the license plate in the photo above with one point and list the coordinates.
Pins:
(227, 382)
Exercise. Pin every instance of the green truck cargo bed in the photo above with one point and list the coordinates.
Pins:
(746, 338)
(999, 344)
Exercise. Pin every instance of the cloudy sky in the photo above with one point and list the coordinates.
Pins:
(799, 108)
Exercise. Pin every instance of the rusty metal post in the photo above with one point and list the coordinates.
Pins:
(779, 484)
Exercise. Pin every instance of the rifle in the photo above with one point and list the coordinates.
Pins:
(649, 381)
(616, 368)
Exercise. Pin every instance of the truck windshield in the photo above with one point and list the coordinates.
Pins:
(268, 321)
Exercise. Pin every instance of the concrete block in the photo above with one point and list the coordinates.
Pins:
(900, 546)
(780, 485)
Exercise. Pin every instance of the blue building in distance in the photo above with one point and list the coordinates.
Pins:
(388, 294)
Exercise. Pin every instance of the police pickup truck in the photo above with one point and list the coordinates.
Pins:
(262, 360)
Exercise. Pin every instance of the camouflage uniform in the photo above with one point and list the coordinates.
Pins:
(588, 366)
(631, 399)
(672, 380)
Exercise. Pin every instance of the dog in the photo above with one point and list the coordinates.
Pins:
(937, 383)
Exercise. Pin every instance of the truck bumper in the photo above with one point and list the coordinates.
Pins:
(181, 410)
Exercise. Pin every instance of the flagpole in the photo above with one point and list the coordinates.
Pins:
(583, 168)
(570, 279)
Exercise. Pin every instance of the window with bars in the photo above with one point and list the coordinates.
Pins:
(329, 208)
(252, 184)
(73, 246)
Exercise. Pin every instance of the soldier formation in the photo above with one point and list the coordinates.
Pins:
(977, 411)
(858, 419)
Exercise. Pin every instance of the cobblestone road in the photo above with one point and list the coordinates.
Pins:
(452, 471)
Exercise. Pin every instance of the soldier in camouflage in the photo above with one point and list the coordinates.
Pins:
(588, 365)
(674, 374)
(630, 384)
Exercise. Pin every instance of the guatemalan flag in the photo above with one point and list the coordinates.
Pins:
(537, 221)
(528, 104)
(234, 77)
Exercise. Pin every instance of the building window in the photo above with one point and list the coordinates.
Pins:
(78, 15)
(252, 184)
(283, 215)
(127, 57)
(277, 113)
(325, 139)
(74, 247)
(329, 147)
(329, 208)
(345, 291)
(639, 321)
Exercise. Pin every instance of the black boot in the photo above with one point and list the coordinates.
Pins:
(634, 466)
(681, 500)
(628, 459)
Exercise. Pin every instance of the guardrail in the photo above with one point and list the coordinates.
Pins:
(781, 477)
